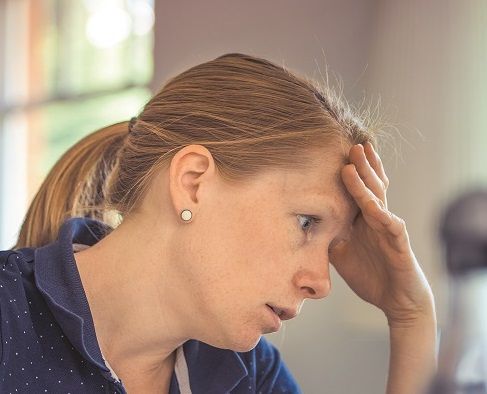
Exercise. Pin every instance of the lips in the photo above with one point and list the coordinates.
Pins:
(283, 313)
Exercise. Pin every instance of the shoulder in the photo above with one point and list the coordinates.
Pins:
(18, 256)
(7, 273)
(5, 255)
(16, 269)
(16, 278)
(14, 264)
(9, 268)
(271, 372)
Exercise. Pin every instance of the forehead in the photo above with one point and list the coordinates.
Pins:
(321, 183)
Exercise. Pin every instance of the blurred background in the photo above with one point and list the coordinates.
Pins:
(68, 67)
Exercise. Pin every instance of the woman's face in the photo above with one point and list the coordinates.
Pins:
(262, 244)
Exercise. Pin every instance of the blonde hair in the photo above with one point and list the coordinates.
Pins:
(250, 113)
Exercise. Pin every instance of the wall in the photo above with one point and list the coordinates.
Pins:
(425, 63)
(326, 349)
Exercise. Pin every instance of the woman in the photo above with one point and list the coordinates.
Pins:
(238, 184)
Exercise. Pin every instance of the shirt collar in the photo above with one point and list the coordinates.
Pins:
(58, 279)
(213, 370)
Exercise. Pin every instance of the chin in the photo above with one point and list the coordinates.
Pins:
(244, 344)
(242, 340)
(245, 336)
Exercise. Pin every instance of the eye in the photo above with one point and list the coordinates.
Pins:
(307, 222)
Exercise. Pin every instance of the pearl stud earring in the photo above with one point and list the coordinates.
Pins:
(186, 215)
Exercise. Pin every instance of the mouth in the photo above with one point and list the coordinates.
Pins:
(283, 313)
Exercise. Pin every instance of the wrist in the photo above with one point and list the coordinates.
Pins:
(422, 315)
(415, 338)
(409, 321)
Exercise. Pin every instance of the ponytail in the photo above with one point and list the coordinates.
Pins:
(75, 186)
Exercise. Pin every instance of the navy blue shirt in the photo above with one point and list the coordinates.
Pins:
(48, 340)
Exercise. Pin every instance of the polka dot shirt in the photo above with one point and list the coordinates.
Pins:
(48, 342)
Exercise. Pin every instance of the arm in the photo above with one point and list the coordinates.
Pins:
(412, 360)
(379, 265)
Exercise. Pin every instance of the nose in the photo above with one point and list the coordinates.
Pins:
(314, 284)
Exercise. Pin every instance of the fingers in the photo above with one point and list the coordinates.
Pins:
(370, 205)
(373, 207)
(376, 163)
(365, 161)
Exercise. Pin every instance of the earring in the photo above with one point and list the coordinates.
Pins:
(186, 215)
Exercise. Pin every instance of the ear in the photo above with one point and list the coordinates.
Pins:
(190, 167)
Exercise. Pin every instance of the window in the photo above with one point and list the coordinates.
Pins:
(67, 68)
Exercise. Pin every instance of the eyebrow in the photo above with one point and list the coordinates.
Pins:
(331, 208)
(322, 197)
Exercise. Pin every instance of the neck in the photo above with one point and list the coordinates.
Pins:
(136, 300)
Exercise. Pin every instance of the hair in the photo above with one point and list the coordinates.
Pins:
(250, 113)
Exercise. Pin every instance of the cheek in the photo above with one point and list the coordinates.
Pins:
(263, 246)
(240, 257)
(239, 267)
